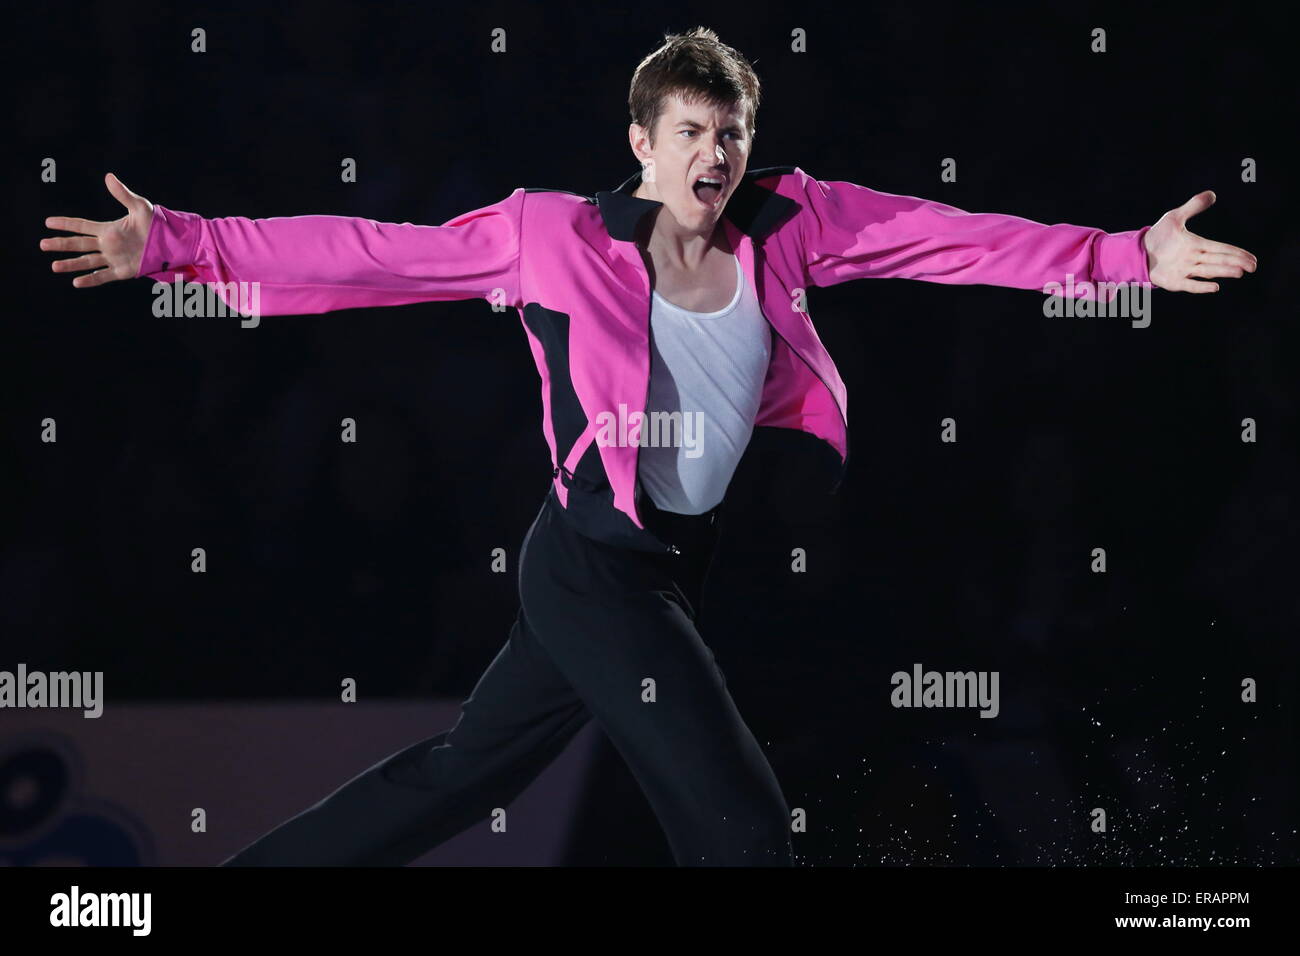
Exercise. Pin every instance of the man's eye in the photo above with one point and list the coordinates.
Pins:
(733, 134)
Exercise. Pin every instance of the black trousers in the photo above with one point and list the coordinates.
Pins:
(603, 632)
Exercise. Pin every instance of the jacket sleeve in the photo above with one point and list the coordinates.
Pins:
(852, 232)
(311, 264)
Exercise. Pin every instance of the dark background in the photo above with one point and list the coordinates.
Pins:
(1119, 690)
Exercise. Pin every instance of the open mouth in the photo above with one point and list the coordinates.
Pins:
(708, 190)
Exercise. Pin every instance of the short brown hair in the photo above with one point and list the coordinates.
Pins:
(695, 65)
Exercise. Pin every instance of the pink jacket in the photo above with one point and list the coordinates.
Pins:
(570, 266)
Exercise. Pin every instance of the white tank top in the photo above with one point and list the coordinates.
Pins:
(706, 380)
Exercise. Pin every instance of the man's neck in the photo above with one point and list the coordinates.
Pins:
(667, 241)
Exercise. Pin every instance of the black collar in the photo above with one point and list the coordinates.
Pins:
(753, 210)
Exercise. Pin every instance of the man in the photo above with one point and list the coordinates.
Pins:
(676, 300)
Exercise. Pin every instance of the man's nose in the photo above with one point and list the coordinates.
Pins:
(715, 156)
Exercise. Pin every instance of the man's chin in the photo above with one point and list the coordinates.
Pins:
(710, 214)
(699, 217)
(712, 210)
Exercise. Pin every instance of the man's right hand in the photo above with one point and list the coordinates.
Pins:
(112, 249)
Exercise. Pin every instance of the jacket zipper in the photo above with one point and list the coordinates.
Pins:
(649, 352)
(636, 456)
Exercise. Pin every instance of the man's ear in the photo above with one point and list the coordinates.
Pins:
(639, 141)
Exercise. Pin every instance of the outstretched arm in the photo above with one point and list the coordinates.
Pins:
(853, 232)
(304, 264)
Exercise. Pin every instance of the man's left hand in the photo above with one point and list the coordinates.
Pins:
(1179, 260)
